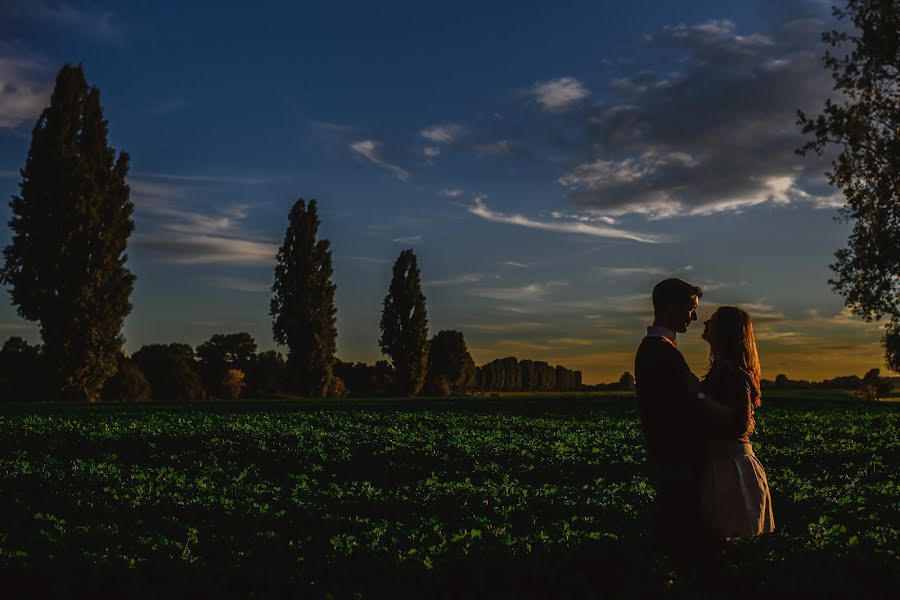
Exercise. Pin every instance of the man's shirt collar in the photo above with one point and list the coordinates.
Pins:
(663, 332)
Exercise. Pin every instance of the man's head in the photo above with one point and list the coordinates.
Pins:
(675, 304)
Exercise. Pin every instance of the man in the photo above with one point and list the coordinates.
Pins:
(670, 419)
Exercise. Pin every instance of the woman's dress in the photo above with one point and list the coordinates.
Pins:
(736, 501)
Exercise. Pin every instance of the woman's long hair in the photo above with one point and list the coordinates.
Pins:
(734, 341)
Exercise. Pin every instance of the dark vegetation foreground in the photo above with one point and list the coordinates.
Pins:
(499, 497)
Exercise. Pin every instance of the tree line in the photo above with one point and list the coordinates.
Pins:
(66, 269)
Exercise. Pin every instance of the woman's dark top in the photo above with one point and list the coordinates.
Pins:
(729, 384)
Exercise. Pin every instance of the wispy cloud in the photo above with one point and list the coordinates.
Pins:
(442, 134)
(516, 264)
(240, 284)
(518, 326)
(368, 149)
(365, 259)
(526, 293)
(206, 249)
(480, 209)
(569, 341)
(173, 234)
(451, 192)
(657, 271)
(558, 95)
(409, 240)
(462, 279)
(85, 21)
(196, 178)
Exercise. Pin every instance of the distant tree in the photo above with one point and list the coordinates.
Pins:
(220, 353)
(337, 388)
(171, 371)
(865, 124)
(527, 375)
(128, 384)
(451, 369)
(20, 368)
(404, 326)
(626, 381)
(302, 307)
(70, 228)
(232, 384)
(781, 380)
(267, 374)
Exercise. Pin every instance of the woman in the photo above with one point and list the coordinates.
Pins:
(735, 494)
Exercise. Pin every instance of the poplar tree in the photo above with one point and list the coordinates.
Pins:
(404, 326)
(70, 223)
(302, 309)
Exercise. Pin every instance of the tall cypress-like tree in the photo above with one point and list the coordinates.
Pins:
(71, 223)
(404, 326)
(302, 309)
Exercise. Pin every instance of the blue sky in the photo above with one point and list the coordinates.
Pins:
(547, 162)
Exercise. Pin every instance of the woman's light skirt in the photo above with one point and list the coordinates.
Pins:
(736, 501)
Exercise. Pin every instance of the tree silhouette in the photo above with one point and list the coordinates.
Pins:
(222, 352)
(865, 125)
(71, 223)
(404, 326)
(450, 366)
(302, 308)
(171, 371)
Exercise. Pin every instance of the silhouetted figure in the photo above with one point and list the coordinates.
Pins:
(735, 497)
(672, 422)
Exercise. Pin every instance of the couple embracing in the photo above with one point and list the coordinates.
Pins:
(709, 484)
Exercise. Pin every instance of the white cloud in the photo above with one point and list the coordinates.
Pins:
(557, 95)
(431, 151)
(442, 134)
(369, 150)
(180, 236)
(206, 249)
(24, 91)
(480, 209)
(451, 192)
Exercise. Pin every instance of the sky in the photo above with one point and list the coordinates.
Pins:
(547, 162)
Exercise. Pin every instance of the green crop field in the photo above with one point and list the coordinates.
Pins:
(500, 497)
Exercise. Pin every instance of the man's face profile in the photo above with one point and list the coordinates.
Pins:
(686, 314)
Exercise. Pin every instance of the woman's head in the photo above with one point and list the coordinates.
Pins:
(729, 332)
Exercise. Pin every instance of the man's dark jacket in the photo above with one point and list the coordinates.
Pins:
(673, 436)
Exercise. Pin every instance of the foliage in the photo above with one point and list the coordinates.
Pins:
(267, 374)
(232, 384)
(865, 125)
(171, 371)
(627, 381)
(404, 326)
(302, 307)
(20, 368)
(450, 369)
(223, 352)
(511, 375)
(388, 500)
(128, 384)
(71, 223)
(337, 388)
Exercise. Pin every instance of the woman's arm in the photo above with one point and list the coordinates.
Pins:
(720, 416)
